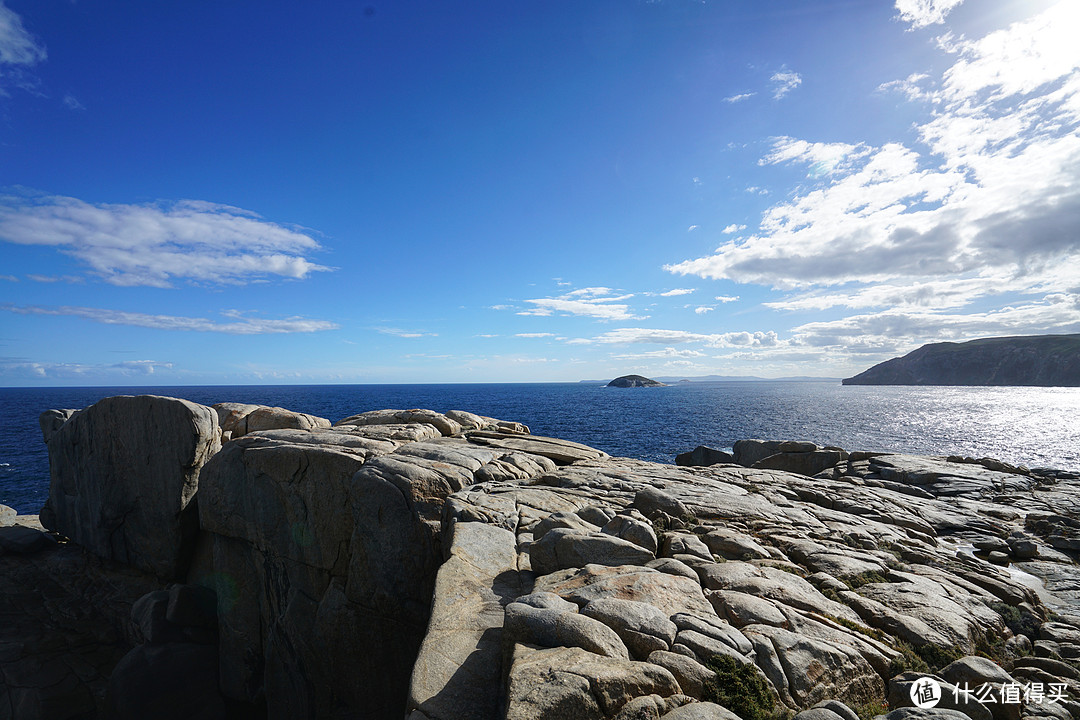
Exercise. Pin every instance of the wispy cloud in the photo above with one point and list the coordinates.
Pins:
(784, 82)
(676, 292)
(823, 158)
(733, 228)
(596, 302)
(9, 278)
(740, 97)
(911, 87)
(667, 353)
(632, 336)
(55, 278)
(921, 13)
(726, 298)
(238, 323)
(15, 367)
(72, 103)
(398, 332)
(702, 309)
(535, 335)
(156, 244)
(17, 46)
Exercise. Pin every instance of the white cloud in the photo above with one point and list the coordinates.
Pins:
(740, 97)
(899, 329)
(9, 278)
(921, 13)
(987, 202)
(72, 102)
(823, 158)
(733, 228)
(666, 353)
(692, 228)
(17, 46)
(398, 332)
(631, 336)
(911, 86)
(155, 244)
(55, 278)
(535, 335)
(702, 309)
(21, 367)
(784, 82)
(676, 292)
(726, 298)
(239, 324)
(595, 302)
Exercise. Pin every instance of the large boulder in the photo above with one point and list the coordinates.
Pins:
(124, 473)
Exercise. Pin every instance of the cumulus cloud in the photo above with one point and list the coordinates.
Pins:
(596, 302)
(237, 323)
(155, 244)
(784, 82)
(726, 298)
(985, 202)
(733, 228)
(921, 13)
(702, 309)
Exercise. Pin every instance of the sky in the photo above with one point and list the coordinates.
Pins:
(350, 191)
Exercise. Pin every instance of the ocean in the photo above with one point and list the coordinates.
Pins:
(1031, 426)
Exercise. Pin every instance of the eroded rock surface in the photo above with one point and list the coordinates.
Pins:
(448, 565)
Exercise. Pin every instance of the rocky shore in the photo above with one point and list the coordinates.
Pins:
(240, 561)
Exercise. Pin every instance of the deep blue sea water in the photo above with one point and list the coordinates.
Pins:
(1033, 426)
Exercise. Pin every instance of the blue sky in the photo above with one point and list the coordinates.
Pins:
(345, 191)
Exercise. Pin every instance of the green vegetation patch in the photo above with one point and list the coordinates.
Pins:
(870, 576)
(739, 688)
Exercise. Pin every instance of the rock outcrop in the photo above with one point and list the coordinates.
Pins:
(1044, 360)
(440, 566)
(124, 472)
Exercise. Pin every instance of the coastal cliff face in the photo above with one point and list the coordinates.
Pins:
(440, 566)
(1045, 360)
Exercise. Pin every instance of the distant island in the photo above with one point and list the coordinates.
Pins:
(1037, 360)
(672, 379)
(631, 381)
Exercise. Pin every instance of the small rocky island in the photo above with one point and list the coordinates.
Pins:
(1039, 360)
(242, 561)
(635, 381)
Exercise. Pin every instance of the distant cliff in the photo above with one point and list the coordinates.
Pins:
(1042, 360)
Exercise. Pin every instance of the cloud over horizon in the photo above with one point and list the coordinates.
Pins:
(985, 204)
(239, 323)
